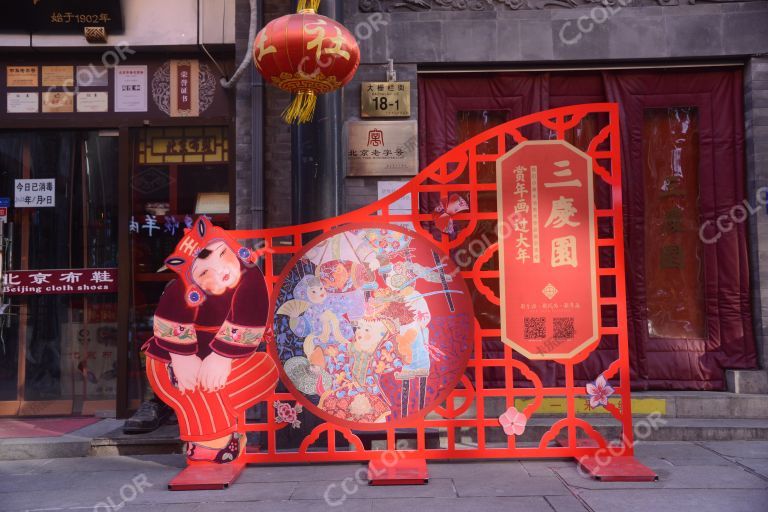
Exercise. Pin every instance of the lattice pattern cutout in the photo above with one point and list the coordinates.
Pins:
(469, 169)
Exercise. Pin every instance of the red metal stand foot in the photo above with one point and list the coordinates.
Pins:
(398, 472)
(616, 469)
(206, 477)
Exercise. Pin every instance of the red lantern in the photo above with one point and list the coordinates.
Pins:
(306, 54)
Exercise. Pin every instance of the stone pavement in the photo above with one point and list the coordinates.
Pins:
(727, 476)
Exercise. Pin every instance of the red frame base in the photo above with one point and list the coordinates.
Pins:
(206, 477)
(399, 472)
(616, 469)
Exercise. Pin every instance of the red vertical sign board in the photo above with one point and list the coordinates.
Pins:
(185, 84)
(547, 249)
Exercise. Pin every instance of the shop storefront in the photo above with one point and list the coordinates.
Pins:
(689, 310)
(692, 142)
(103, 168)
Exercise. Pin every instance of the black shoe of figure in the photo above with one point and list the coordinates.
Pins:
(149, 417)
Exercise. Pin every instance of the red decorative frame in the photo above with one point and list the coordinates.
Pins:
(465, 170)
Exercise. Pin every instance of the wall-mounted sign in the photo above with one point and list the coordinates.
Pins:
(183, 145)
(385, 99)
(38, 193)
(5, 202)
(547, 250)
(130, 88)
(185, 88)
(58, 102)
(58, 76)
(21, 76)
(62, 16)
(401, 206)
(92, 102)
(382, 148)
(92, 76)
(23, 103)
(60, 281)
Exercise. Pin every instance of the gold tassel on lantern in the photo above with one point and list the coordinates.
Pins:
(308, 5)
(302, 108)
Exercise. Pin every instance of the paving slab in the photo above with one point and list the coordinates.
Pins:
(496, 480)
(544, 467)
(93, 464)
(527, 504)
(759, 466)
(566, 503)
(677, 500)
(674, 477)
(308, 473)
(149, 497)
(457, 470)
(338, 490)
(680, 454)
(740, 449)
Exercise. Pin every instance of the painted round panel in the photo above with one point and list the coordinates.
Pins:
(372, 324)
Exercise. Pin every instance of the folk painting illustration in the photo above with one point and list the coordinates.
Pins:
(372, 324)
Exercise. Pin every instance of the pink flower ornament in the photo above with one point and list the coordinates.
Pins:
(598, 392)
(513, 422)
(288, 414)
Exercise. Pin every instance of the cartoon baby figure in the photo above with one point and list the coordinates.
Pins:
(202, 359)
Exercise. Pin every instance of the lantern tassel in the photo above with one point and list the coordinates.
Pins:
(308, 5)
(302, 108)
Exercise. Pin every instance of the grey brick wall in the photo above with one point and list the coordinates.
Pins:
(756, 114)
(277, 135)
(502, 36)
(277, 144)
(242, 151)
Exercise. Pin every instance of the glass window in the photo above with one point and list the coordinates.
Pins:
(69, 349)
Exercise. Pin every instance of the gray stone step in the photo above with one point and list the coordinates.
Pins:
(74, 444)
(669, 429)
(709, 404)
(670, 404)
(162, 441)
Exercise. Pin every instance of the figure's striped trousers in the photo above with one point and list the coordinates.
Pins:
(204, 416)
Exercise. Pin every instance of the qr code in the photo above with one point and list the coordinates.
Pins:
(535, 327)
(562, 328)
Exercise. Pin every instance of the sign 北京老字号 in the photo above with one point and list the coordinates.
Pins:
(382, 148)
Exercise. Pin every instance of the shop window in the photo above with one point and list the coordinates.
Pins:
(673, 252)
(59, 351)
(178, 174)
